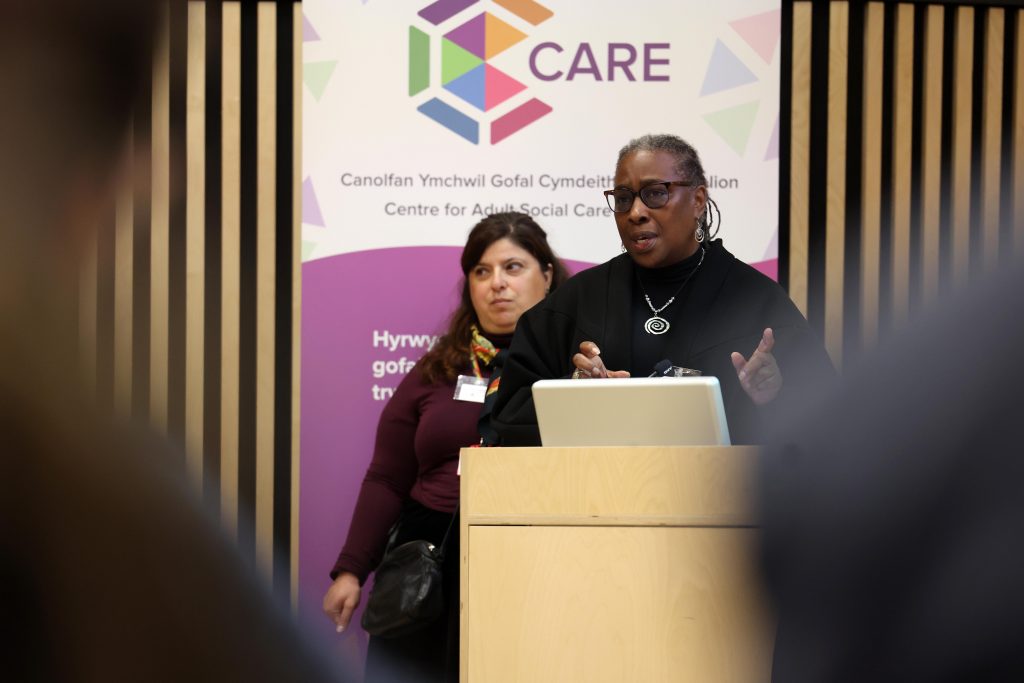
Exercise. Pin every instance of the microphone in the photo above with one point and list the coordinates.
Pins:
(663, 368)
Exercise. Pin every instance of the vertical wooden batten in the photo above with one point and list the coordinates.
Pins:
(87, 312)
(902, 161)
(871, 173)
(124, 241)
(992, 127)
(1018, 139)
(963, 60)
(931, 154)
(265, 283)
(297, 25)
(231, 159)
(800, 136)
(835, 209)
(194, 238)
(160, 230)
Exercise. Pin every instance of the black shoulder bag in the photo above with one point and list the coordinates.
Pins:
(407, 594)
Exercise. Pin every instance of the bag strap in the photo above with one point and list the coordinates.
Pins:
(451, 523)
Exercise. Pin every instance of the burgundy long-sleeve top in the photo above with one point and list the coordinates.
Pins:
(416, 455)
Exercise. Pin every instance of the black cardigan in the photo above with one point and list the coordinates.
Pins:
(726, 309)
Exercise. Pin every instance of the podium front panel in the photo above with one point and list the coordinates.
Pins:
(617, 565)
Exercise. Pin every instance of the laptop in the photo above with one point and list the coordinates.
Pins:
(656, 411)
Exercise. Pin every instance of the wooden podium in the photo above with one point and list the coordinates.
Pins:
(610, 564)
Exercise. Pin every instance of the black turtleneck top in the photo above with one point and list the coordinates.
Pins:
(660, 284)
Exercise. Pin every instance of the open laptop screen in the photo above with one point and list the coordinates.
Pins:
(657, 411)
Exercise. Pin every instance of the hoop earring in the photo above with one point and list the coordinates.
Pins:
(623, 248)
(699, 235)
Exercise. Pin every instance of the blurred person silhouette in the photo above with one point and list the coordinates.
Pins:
(109, 569)
(893, 509)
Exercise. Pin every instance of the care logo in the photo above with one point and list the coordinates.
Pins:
(466, 48)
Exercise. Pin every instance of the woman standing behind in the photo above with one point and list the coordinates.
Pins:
(508, 267)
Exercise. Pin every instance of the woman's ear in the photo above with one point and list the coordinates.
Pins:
(549, 276)
(700, 200)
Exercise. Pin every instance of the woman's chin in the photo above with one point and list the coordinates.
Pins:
(499, 327)
(648, 258)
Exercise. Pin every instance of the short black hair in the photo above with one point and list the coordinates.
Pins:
(688, 163)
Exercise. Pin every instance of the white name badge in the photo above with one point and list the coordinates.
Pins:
(469, 388)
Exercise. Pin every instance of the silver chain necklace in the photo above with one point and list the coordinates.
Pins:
(656, 324)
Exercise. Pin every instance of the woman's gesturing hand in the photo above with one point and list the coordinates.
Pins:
(589, 364)
(759, 375)
(342, 599)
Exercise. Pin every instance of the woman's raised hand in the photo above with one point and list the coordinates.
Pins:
(759, 375)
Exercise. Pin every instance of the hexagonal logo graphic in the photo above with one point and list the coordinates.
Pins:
(467, 77)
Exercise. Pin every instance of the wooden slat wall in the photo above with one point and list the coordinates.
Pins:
(195, 263)
(904, 158)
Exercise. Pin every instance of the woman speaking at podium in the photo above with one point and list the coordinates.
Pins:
(675, 293)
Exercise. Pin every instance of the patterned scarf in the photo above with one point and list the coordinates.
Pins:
(481, 351)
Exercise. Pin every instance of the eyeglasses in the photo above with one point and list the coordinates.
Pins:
(654, 196)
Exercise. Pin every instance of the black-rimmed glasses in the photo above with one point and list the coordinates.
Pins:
(654, 195)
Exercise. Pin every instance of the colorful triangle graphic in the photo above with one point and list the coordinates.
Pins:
(761, 32)
(307, 250)
(309, 33)
(310, 206)
(456, 61)
(772, 250)
(499, 36)
(734, 124)
(773, 143)
(725, 71)
(498, 87)
(470, 87)
(471, 36)
(527, 10)
(316, 76)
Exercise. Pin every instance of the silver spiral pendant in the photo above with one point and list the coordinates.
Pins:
(656, 325)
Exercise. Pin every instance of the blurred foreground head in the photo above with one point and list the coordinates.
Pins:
(893, 510)
(109, 569)
(70, 72)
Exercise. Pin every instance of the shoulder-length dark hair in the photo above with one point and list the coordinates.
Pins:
(451, 352)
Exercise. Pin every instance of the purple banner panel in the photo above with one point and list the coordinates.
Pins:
(365, 317)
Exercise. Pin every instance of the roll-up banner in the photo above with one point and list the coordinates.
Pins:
(420, 118)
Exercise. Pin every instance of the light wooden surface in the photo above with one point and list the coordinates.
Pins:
(705, 485)
(610, 564)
